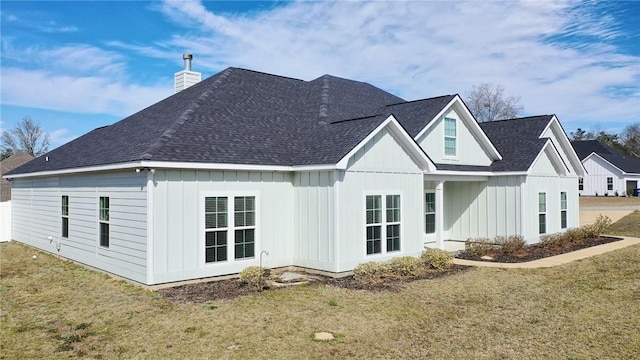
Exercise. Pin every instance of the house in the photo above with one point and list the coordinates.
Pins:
(8, 164)
(610, 172)
(246, 168)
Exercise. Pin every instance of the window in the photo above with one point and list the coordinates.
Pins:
(609, 183)
(104, 221)
(215, 224)
(378, 228)
(581, 184)
(245, 226)
(430, 212)
(542, 213)
(65, 216)
(229, 225)
(563, 210)
(393, 222)
(374, 224)
(450, 135)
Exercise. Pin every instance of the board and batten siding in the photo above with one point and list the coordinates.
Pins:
(469, 151)
(482, 209)
(313, 220)
(178, 236)
(595, 181)
(37, 215)
(381, 167)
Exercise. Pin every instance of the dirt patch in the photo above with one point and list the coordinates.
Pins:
(604, 201)
(228, 289)
(537, 251)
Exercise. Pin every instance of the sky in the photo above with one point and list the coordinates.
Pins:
(73, 66)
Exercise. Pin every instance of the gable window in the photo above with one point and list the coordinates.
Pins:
(580, 184)
(563, 210)
(245, 226)
(65, 216)
(374, 224)
(542, 213)
(393, 222)
(379, 227)
(215, 233)
(609, 183)
(450, 137)
(104, 221)
(430, 212)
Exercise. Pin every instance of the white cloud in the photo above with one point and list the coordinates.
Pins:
(82, 94)
(60, 136)
(420, 49)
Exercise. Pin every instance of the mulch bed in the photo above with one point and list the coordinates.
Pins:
(536, 251)
(232, 288)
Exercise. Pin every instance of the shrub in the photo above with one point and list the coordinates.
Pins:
(479, 247)
(437, 259)
(601, 224)
(576, 236)
(511, 245)
(252, 276)
(405, 266)
(554, 241)
(372, 272)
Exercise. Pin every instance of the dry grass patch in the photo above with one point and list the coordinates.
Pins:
(592, 201)
(627, 226)
(587, 309)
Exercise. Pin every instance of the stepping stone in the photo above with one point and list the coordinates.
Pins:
(486, 257)
(324, 336)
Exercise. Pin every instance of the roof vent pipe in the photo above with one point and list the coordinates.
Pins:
(187, 61)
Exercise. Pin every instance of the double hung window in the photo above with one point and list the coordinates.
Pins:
(379, 227)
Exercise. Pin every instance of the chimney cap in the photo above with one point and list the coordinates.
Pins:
(187, 56)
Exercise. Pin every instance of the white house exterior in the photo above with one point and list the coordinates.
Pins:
(609, 172)
(325, 174)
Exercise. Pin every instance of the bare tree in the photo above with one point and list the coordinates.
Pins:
(630, 138)
(487, 102)
(27, 136)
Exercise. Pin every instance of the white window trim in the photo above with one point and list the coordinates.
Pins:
(445, 136)
(383, 225)
(565, 209)
(230, 195)
(546, 218)
(100, 221)
(609, 177)
(425, 213)
(62, 215)
(581, 184)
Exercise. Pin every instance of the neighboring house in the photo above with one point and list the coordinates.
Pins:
(610, 172)
(323, 174)
(8, 164)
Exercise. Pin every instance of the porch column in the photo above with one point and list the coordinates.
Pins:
(440, 214)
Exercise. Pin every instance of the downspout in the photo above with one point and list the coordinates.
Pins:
(150, 226)
(336, 219)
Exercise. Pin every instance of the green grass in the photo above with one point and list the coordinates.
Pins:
(627, 226)
(587, 309)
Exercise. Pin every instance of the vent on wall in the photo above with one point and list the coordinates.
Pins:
(185, 78)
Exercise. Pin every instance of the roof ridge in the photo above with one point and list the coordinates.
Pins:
(264, 73)
(167, 134)
(425, 99)
(356, 119)
(518, 118)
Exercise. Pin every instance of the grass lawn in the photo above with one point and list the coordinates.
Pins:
(587, 309)
(627, 226)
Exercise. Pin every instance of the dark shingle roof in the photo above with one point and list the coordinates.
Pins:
(616, 157)
(517, 140)
(414, 115)
(236, 117)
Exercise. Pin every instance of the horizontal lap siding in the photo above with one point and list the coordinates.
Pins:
(38, 215)
(178, 223)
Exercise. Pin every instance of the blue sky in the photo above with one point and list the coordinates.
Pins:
(75, 66)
